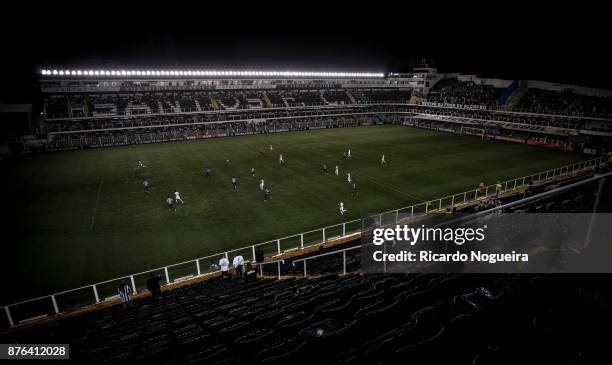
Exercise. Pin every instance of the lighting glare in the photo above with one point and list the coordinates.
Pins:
(230, 73)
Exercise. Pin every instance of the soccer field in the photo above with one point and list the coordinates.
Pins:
(84, 216)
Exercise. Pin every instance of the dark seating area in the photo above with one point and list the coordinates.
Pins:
(453, 91)
(356, 318)
(56, 105)
(564, 103)
(303, 98)
(501, 116)
(203, 99)
(338, 97)
(124, 103)
(276, 99)
(187, 102)
(227, 100)
(375, 96)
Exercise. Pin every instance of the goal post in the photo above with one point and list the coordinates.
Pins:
(472, 131)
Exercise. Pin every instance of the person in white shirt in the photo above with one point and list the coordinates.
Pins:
(238, 261)
(271, 148)
(336, 171)
(348, 178)
(280, 159)
(224, 265)
(348, 154)
(177, 197)
(498, 189)
(382, 159)
(261, 185)
(341, 206)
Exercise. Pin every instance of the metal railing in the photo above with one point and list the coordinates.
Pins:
(102, 291)
(343, 251)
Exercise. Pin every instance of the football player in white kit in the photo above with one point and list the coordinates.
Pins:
(348, 154)
(341, 206)
(348, 178)
(280, 159)
(261, 185)
(382, 160)
(336, 171)
(177, 197)
(271, 148)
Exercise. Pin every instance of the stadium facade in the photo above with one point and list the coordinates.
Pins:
(95, 108)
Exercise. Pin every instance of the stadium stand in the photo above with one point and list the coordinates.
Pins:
(186, 101)
(331, 319)
(564, 102)
(83, 114)
(453, 91)
(338, 97)
(375, 96)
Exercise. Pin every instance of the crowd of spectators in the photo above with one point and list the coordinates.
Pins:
(565, 103)
(88, 105)
(502, 116)
(453, 91)
(164, 133)
(55, 126)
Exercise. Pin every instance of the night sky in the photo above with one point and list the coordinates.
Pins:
(567, 45)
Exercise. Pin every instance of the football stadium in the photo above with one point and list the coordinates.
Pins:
(217, 215)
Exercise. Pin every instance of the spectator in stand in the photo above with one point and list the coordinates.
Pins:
(224, 264)
(153, 285)
(529, 189)
(249, 272)
(480, 188)
(238, 262)
(124, 292)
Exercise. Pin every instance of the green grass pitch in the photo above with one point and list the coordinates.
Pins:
(83, 216)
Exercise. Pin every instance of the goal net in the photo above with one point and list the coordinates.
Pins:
(471, 131)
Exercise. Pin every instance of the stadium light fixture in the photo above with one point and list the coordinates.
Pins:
(226, 73)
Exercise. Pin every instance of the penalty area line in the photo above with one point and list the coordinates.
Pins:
(93, 216)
